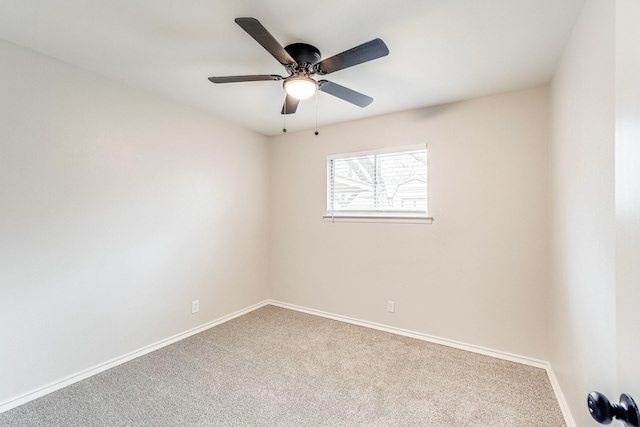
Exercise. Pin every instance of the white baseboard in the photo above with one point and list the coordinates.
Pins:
(562, 402)
(418, 335)
(79, 376)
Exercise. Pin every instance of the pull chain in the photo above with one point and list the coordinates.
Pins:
(284, 117)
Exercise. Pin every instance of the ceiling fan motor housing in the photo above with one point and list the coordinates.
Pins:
(303, 53)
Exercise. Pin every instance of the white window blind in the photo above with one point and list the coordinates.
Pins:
(378, 184)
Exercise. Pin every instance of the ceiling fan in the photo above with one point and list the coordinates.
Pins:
(302, 62)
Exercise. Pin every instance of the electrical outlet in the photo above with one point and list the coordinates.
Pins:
(391, 306)
(195, 306)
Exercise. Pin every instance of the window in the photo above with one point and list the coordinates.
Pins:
(381, 184)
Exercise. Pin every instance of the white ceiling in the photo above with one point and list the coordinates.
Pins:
(440, 50)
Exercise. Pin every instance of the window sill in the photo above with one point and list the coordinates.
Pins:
(393, 219)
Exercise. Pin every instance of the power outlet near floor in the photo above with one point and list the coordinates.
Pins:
(195, 306)
(391, 306)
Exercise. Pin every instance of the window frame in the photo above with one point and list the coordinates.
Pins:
(363, 216)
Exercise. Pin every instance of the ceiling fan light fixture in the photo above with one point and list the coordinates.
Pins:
(302, 61)
(300, 86)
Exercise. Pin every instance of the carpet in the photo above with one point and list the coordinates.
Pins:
(278, 367)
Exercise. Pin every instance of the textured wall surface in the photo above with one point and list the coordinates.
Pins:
(478, 274)
(117, 209)
(583, 303)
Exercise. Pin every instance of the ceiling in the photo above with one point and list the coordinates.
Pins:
(440, 50)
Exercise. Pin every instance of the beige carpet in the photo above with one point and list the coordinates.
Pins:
(277, 367)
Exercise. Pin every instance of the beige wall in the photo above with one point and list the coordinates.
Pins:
(117, 209)
(628, 195)
(478, 274)
(583, 317)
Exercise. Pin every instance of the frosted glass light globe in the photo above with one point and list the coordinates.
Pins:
(300, 87)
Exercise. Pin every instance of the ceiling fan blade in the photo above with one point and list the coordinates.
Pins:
(255, 29)
(236, 79)
(345, 93)
(290, 105)
(365, 52)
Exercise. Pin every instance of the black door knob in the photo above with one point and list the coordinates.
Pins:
(604, 411)
(600, 408)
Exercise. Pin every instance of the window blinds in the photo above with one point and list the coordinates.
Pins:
(378, 184)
